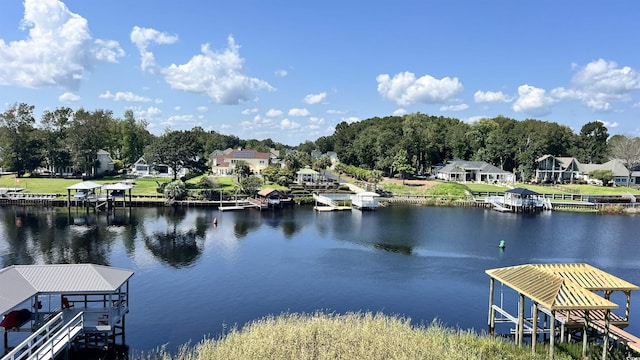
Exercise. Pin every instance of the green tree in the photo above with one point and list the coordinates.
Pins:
(178, 150)
(296, 160)
(306, 147)
(593, 142)
(321, 164)
(175, 190)
(134, 138)
(89, 133)
(401, 165)
(242, 170)
(251, 184)
(20, 142)
(603, 175)
(55, 126)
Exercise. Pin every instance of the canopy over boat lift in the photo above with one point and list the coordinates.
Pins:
(568, 293)
(86, 300)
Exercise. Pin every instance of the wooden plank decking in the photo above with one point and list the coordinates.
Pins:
(631, 341)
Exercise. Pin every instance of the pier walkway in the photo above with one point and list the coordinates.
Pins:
(327, 204)
(48, 341)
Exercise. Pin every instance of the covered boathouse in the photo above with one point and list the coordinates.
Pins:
(575, 300)
(55, 306)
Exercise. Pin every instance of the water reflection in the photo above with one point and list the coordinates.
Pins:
(257, 263)
(179, 243)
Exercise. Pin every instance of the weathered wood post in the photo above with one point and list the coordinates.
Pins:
(585, 333)
(605, 340)
(552, 333)
(490, 323)
(534, 321)
(521, 320)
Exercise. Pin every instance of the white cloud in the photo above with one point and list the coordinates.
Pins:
(312, 99)
(351, 119)
(609, 125)
(177, 108)
(250, 111)
(281, 73)
(299, 112)
(202, 109)
(217, 74)
(336, 112)
(69, 97)
(490, 96)
(458, 107)
(533, 100)
(124, 96)
(58, 51)
(316, 120)
(475, 118)
(142, 37)
(600, 82)
(287, 124)
(150, 114)
(273, 113)
(399, 112)
(405, 89)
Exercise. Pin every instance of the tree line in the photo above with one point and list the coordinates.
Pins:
(72, 138)
(413, 143)
(390, 146)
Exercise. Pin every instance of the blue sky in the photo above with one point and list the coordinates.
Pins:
(292, 70)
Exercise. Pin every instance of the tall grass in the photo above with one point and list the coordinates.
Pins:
(350, 336)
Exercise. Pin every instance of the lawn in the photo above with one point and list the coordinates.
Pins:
(143, 186)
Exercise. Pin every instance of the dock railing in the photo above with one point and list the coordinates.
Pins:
(49, 340)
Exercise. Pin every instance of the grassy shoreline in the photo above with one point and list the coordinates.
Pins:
(351, 336)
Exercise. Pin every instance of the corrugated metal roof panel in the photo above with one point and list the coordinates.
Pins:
(13, 289)
(20, 282)
(74, 277)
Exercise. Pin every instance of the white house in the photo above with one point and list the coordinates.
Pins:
(474, 171)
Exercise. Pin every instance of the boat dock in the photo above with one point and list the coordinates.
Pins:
(569, 297)
(80, 304)
(326, 203)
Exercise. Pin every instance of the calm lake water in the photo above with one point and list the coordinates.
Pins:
(193, 279)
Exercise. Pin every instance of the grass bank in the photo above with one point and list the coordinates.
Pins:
(350, 336)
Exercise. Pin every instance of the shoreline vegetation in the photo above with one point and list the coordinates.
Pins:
(417, 192)
(358, 336)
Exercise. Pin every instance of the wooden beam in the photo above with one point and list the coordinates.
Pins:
(521, 321)
(491, 316)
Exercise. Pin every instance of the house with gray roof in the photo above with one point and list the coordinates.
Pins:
(559, 169)
(474, 171)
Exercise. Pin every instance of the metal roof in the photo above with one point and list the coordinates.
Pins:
(85, 185)
(562, 286)
(117, 186)
(21, 282)
(522, 191)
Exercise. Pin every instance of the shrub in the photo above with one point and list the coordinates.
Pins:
(175, 190)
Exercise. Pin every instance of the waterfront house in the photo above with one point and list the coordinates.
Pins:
(104, 163)
(224, 162)
(558, 169)
(141, 168)
(307, 175)
(474, 171)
